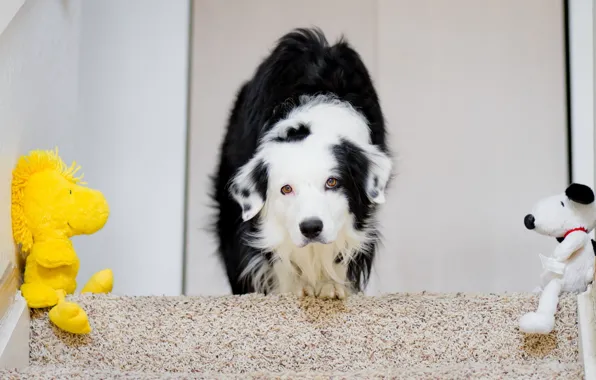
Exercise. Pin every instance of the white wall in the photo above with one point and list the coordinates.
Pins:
(474, 96)
(38, 90)
(132, 139)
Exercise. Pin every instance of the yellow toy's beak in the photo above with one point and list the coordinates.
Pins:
(90, 211)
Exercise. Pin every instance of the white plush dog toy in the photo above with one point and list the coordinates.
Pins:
(569, 217)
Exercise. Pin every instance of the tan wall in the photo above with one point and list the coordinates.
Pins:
(475, 104)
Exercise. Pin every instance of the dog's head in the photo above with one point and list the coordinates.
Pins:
(314, 176)
(558, 214)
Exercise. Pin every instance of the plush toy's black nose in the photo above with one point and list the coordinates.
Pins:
(529, 221)
(311, 228)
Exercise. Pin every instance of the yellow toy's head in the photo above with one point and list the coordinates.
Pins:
(48, 200)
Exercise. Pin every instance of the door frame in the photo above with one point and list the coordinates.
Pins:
(580, 90)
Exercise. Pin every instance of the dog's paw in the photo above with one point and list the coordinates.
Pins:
(305, 291)
(332, 291)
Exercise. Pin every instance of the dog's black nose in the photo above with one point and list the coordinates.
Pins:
(311, 228)
(529, 221)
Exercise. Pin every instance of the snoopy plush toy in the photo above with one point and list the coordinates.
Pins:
(569, 217)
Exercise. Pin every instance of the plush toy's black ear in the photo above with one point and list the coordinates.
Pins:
(579, 193)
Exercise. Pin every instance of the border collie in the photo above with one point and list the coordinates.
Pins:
(302, 169)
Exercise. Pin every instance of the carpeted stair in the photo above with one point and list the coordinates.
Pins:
(402, 336)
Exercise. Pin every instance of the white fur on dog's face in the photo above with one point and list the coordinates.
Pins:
(557, 214)
(305, 166)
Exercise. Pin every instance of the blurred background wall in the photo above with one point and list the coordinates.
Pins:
(474, 95)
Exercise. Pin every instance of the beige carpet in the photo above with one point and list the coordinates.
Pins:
(420, 336)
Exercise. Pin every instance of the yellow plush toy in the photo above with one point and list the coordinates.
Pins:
(49, 206)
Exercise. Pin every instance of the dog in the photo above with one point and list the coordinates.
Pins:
(303, 167)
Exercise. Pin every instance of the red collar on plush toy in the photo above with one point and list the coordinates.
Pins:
(575, 229)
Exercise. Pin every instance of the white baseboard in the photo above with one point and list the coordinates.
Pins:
(14, 335)
(587, 331)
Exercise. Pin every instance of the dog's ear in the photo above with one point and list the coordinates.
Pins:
(379, 173)
(579, 193)
(249, 187)
(366, 165)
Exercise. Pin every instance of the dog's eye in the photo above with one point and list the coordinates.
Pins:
(286, 189)
(562, 204)
(331, 183)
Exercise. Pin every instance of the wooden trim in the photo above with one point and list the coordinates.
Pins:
(15, 335)
(9, 284)
(587, 333)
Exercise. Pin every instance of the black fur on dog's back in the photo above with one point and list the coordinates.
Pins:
(302, 63)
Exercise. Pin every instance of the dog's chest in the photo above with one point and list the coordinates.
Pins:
(312, 260)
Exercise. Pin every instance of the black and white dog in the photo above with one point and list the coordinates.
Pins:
(302, 167)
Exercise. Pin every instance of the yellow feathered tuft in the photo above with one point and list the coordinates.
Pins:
(37, 161)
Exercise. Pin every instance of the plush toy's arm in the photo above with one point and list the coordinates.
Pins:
(552, 265)
(54, 253)
(572, 243)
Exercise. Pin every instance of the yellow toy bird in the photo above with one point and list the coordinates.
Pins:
(49, 206)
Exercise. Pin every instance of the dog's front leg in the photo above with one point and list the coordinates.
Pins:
(570, 245)
(289, 279)
(335, 286)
